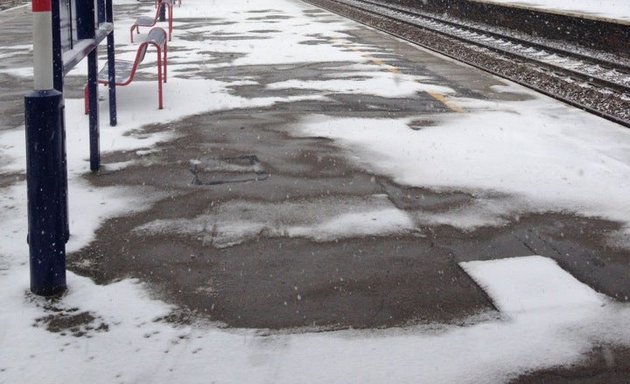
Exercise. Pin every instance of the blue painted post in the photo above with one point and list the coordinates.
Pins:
(86, 25)
(111, 67)
(86, 29)
(95, 152)
(58, 73)
(64, 176)
(45, 164)
(162, 11)
(101, 11)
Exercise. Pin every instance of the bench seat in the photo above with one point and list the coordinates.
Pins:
(147, 21)
(125, 70)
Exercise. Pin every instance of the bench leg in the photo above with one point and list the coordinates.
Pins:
(137, 28)
(159, 65)
(170, 21)
(165, 60)
(86, 100)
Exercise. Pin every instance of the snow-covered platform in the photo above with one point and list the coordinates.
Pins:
(319, 202)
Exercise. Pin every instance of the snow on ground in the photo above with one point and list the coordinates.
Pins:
(124, 336)
(522, 149)
(323, 219)
(128, 342)
(383, 84)
(611, 9)
(530, 284)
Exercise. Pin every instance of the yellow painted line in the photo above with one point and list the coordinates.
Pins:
(444, 100)
(437, 96)
(380, 62)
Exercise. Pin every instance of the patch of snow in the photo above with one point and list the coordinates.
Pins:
(494, 212)
(531, 284)
(518, 148)
(324, 219)
(382, 84)
(20, 72)
(140, 347)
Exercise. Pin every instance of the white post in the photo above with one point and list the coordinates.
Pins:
(42, 45)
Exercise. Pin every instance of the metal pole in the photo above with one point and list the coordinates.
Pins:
(101, 11)
(58, 73)
(57, 50)
(111, 63)
(162, 10)
(45, 165)
(95, 151)
(86, 29)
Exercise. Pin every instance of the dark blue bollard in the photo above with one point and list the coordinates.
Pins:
(45, 178)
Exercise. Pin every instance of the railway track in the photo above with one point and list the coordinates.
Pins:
(593, 81)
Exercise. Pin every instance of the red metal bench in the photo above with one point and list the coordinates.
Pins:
(147, 21)
(126, 70)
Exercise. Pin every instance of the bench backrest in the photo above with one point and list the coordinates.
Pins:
(157, 36)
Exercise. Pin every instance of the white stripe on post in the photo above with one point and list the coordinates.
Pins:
(42, 45)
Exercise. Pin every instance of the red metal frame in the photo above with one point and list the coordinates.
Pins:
(162, 64)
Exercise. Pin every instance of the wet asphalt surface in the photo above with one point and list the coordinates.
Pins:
(279, 283)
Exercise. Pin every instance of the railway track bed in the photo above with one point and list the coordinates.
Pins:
(595, 81)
